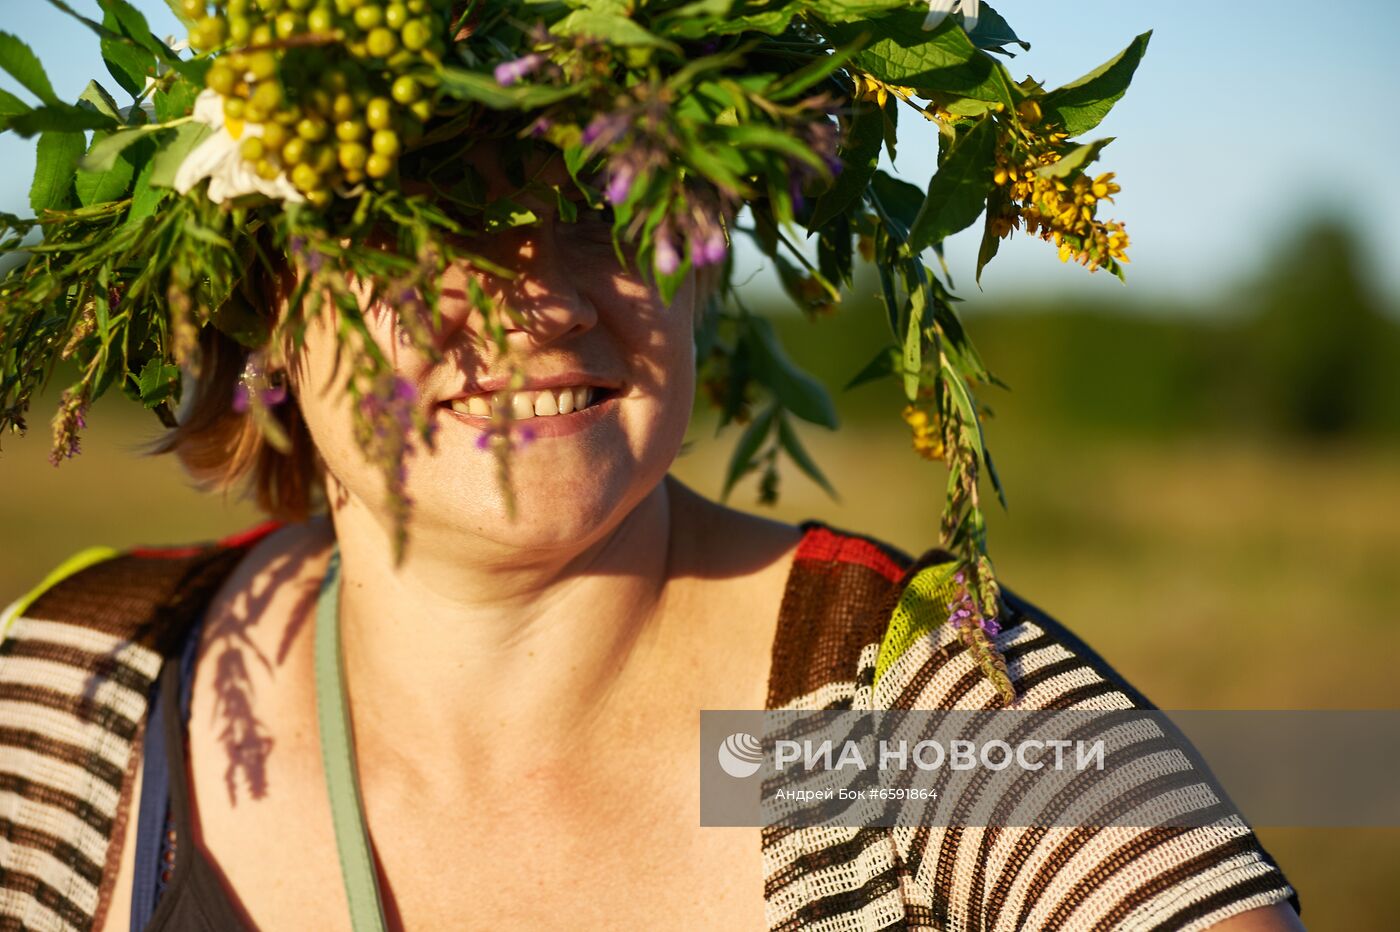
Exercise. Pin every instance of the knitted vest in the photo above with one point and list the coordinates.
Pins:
(77, 662)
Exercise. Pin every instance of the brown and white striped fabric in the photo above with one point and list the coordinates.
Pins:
(76, 667)
(835, 634)
(79, 656)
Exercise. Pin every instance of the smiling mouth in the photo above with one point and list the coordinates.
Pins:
(543, 403)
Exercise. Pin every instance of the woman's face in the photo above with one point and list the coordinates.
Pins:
(588, 327)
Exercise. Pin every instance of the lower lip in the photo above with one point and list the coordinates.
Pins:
(551, 425)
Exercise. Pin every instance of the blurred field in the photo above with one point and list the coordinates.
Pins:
(1210, 501)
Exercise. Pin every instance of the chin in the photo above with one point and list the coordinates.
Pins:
(554, 507)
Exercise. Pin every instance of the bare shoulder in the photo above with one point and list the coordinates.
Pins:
(275, 583)
(254, 651)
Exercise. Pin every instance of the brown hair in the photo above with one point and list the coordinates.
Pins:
(223, 449)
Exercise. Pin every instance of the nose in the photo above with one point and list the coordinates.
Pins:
(545, 296)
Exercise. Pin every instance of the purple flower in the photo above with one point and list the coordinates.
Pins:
(483, 440)
(271, 397)
(795, 191)
(962, 612)
(715, 248)
(541, 126)
(508, 72)
(240, 398)
(605, 128)
(620, 181)
(667, 259)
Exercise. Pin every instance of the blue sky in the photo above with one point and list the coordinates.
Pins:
(1244, 118)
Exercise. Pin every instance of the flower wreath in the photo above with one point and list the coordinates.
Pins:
(287, 129)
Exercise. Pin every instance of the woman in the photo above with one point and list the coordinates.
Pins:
(306, 724)
(524, 692)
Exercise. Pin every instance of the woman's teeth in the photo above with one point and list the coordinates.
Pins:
(530, 404)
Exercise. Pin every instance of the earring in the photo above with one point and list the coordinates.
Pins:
(255, 382)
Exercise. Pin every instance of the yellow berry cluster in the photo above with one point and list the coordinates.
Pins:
(1060, 210)
(349, 122)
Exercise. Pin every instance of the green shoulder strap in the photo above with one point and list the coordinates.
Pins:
(338, 756)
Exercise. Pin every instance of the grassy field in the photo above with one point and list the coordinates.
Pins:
(1212, 574)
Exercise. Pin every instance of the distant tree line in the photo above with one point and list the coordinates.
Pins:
(1307, 348)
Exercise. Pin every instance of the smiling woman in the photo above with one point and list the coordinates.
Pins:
(519, 686)
(457, 362)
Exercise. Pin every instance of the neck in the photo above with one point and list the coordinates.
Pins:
(452, 647)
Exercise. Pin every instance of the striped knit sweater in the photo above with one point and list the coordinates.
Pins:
(860, 628)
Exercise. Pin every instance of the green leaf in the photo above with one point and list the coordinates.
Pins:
(994, 32)
(754, 135)
(882, 364)
(957, 193)
(10, 105)
(61, 118)
(795, 389)
(167, 160)
(613, 28)
(55, 165)
(106, 183)
(898, 203)
(815, 71)
(920, 320)
(1075, 160)
(128, 63)
(133, 24)
(24, 66)
(749, 441)
(482, 88)
(175, 101)
(860, 153)
(707, 18)
(846, 11)
(1081, 105)
(158, 381)
(900, 52)
(104, 151)
(788, 440)
(836, 252)
(96, 95)
(991, 241)
(144, 198)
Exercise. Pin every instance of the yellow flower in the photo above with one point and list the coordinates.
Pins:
(869, 87)
(866, 245)
(927, 437)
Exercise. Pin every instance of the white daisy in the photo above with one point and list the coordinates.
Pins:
(218, 159)
(938, 10)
